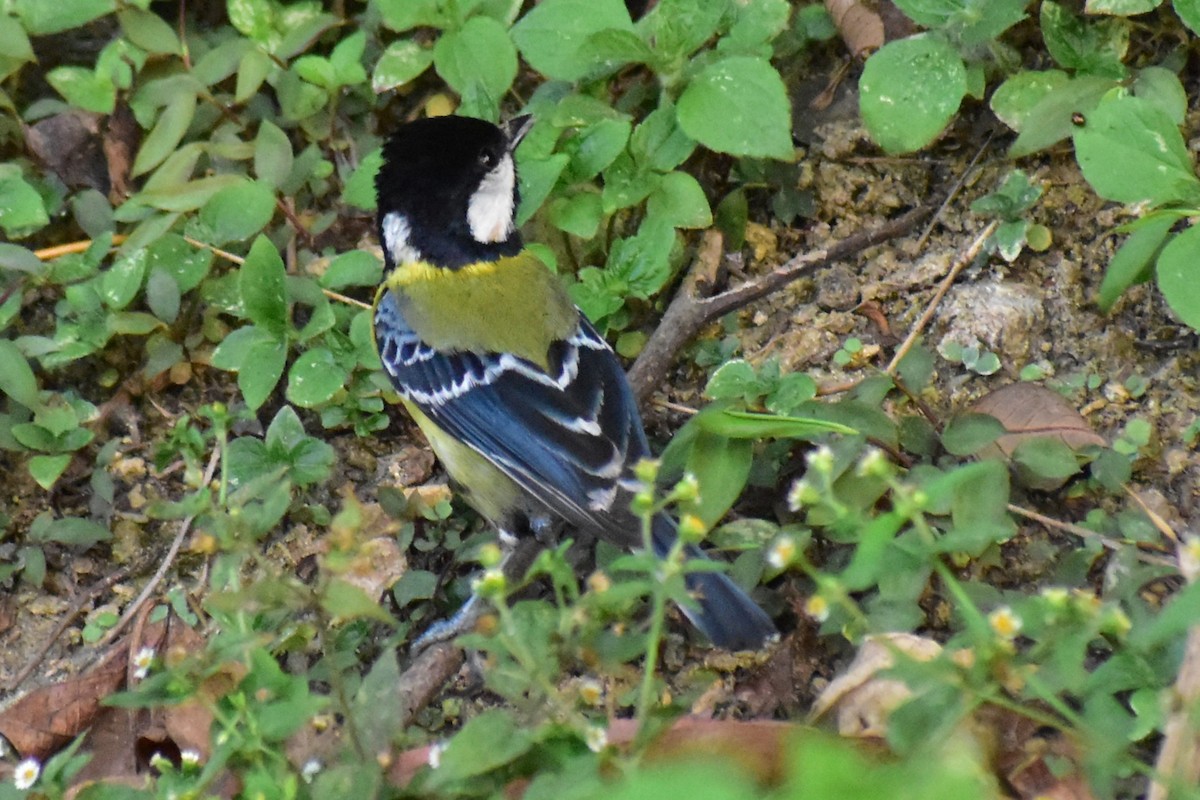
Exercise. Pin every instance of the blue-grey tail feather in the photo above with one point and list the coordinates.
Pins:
(723, 612)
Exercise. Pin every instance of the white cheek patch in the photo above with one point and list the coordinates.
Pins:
(490, 209)
(396, 233)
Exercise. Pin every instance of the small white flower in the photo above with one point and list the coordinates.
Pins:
(190, 758)
(310, 770)
(435, 754)
(591, 691)
(802, 494)
(874, 464)
(820, 460)
(596, 738)
(142, 660)
(26, 773)
(1005, 622)
(782, 552)
(817, 607)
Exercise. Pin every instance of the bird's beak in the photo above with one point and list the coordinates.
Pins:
(516, 128)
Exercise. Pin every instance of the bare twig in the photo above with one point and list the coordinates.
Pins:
(426, 676)
(152, 586)
(236, 259)
(689, 312)
(70, 248)
(953, 193)
(1085, 533)
(963, 260)
(91, 594)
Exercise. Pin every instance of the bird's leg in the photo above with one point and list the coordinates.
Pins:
(519, 553)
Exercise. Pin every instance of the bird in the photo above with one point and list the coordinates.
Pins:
(522, 400)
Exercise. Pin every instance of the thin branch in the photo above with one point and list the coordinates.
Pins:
(689, 312)
(91, 594)
(963, 260)
(152, 586)
(1084, 533)
(236, 259)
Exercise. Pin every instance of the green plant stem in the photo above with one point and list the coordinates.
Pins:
(653, 642)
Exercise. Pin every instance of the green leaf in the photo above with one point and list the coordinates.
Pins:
(738, 105)
(658, 142)
(261, 283)
(1130, 151)
(608, 51)
(1052, 118)
(254, 19)
(1132, 262)
(352, 268)
(120, 283)
(1121, 8)
(680, 202)
(977, 495)
(346, 60)
(1179, 275)
(238, 211)
(261, 371)
(734, 380)
(641, 262)
(186, 264)
(377, 705)
(252, 70)
(480, 55)
(15, 49)
(415, 584)
(401, 63)
(721, 466)
(595, 148)
(234, 349)
(403, 15)
(163, 296)
(1163, 89)
(754, 26)
(679, 27)
(16, 376)
(41, 18)
(298, 99)
(1095, 46)
(1046, 458)
(754, 425)
(149, 31)
(359, 190)
(273, 156)
(487, 742)
(166, 134)
(537, 179)
(345, 601)
(46, 469)
(967, 434)
(551, 36)
(72, 531)
(22, 210)
(314, 378)
(1014, 99)
(1189, 12)
(83, 88)
(910, 90)
(579, 214)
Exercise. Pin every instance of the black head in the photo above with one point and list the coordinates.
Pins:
(448, 191)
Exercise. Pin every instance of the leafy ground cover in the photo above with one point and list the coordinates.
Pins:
(956, 461)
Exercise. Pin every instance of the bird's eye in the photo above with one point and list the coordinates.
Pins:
(488, 158)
